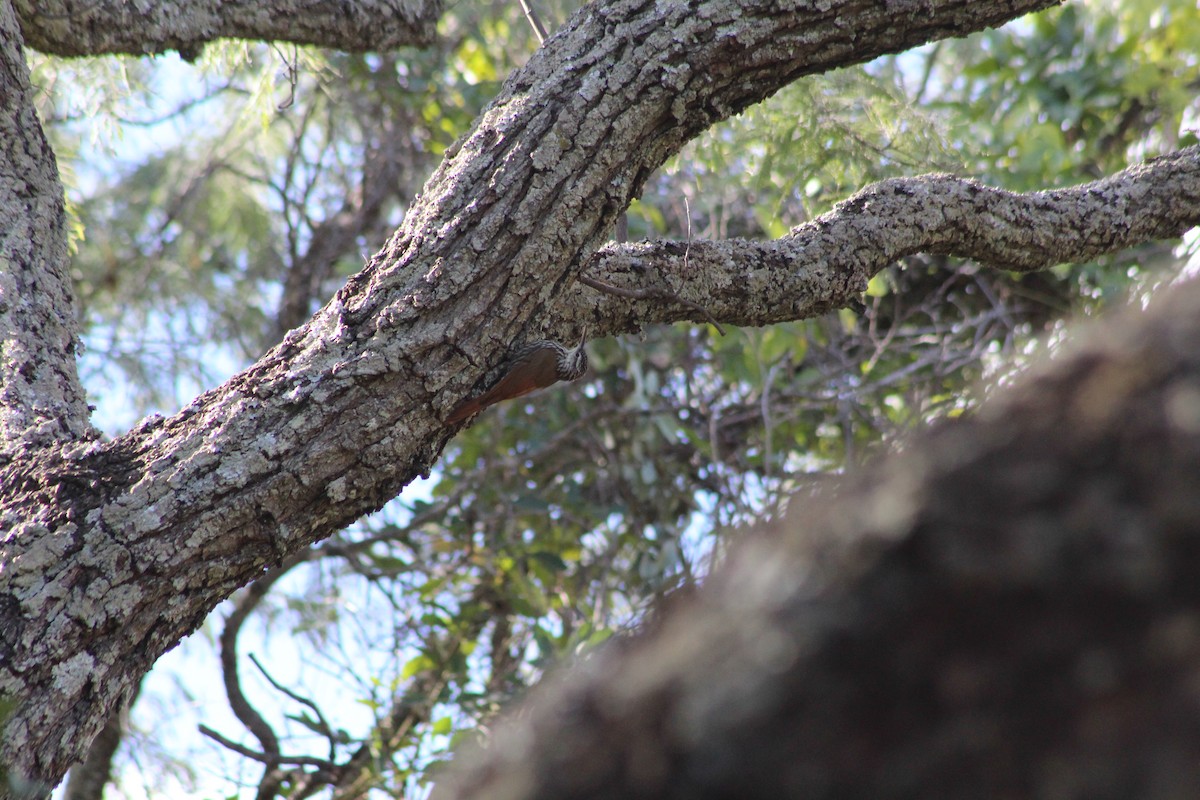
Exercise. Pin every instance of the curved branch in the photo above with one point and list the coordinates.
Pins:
(96, 27)
(270, 760)
(241, 707)
(826, 263)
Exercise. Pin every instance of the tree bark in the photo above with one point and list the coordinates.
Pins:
(1006, 608)
(111, 552)
(826, 263)
(40, 393)
(97, 27)
(89, 778)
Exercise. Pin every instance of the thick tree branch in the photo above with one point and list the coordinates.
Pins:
(41, 399)
(96, 27)
(1008, 607)
(826, 263)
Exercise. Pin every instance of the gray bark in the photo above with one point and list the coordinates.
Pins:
(826, 263)
(89, 778)
(111, 552)
(40, 393)
(96, 27)
(1006, 608)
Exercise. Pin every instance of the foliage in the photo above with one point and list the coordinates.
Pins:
(561, 520)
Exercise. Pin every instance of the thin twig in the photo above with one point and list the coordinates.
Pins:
(534, 22)
(687, 212)
(655, 293)
(270, 759)
(293, 72)
(326, 730)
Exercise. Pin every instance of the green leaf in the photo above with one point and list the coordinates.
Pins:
(417, 665)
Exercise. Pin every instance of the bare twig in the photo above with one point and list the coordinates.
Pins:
(293, 72)
(270, 759)
(241, 707)
(538, 29)
(323, 724)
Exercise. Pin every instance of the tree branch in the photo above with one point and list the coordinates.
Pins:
(270, 760)
(96, 27)
(826, 263)
(241, 707)
(41, 399)
(539, 30)
(388, 168)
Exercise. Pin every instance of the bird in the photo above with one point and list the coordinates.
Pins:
(534, 366)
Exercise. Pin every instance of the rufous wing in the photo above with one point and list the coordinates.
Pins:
(526, 375)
